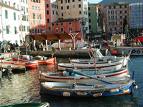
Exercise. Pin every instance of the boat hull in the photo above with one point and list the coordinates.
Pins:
(85, 92)
(102, 66)
(61, 77)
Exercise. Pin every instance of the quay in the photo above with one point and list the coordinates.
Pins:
(62, 53)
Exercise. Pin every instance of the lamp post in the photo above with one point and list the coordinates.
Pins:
(73, 36)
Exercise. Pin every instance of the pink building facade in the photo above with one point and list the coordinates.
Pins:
(50, 13)
(37, 18)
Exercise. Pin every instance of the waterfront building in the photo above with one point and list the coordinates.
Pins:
(74, 9)
(136, 15)
(67, 26)
(51, 13)
(105, 2)
(93, 18)
(24, 23)
(10, 12)
(37, 17)
(114, 17)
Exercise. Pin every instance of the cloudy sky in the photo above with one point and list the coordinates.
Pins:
(94, 1)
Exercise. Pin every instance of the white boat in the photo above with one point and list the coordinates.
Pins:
(98, 58)
(84, 76)
(86, 90)
(110, 65)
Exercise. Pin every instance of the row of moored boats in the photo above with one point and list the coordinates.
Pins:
(98, 76)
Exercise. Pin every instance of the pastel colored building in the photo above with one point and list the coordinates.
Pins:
(51, 13)
(68, 26)
(23, 19)
(114, 17)
(9, 20)
(37, 17)
(93, 18)
(74, 9)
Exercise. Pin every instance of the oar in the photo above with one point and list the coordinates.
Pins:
(83, 74)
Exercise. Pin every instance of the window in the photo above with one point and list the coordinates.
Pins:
(36, 1)
(61, 1)
(47, 11)
(62, 29)
(48, 20)
(7, 29)
(79, 6)
(34, 16)
(15, 30)
(14, 15)
(47, 5)
(89, 20)
(6, 14)
(67, 7)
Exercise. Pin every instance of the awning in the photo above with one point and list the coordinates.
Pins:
(51, 36)
(139, 39)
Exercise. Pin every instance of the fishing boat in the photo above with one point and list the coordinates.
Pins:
(50, 61)
(31, 65)
(35, 63)
(97, 57)
(86, 90)
(110, 65)
(82, 76)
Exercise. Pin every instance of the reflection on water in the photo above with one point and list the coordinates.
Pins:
(21, 88)
(24, 88)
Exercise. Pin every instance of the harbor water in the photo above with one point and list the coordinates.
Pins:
(24, 88)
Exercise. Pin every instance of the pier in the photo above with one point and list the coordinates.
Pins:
(61, 53)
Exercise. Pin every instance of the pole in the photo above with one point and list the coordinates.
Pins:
(73, 36)
(46, 45)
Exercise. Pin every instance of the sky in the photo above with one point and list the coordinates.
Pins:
(94, 1)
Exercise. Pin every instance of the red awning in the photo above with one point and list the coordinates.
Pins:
(139, 39)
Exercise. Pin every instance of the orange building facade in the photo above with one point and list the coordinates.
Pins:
(68, 26)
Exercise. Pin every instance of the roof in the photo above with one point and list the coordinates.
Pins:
(51, 36)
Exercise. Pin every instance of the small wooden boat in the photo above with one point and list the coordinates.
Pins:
(86, 90)
(99, 60)
(34, 64)
(50, 61)
(114, 65)
(72, 75)
(31, 65)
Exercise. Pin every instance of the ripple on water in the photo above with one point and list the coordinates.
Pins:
(24, 88)
(20, 88)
